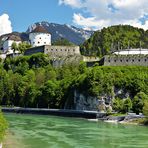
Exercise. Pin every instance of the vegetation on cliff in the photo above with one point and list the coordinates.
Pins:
(114, 37)
(31, 81)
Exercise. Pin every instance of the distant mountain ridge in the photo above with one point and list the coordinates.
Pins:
(71, 33)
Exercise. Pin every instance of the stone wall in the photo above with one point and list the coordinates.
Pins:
(34, 50)
(62, 51)
(55, 51)
(125, 60)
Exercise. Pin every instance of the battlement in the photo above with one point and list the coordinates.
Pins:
(125, 60)
(55, 51)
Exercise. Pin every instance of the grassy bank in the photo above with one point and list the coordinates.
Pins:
(3, 127)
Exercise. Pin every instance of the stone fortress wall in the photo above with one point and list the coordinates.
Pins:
(55, 51)
(125, 60)
(62, 51)
(90, 58)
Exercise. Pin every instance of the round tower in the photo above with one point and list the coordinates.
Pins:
(40, 36)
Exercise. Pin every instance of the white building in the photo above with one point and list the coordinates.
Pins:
(40, 36)
(132, 52)
(9, 41)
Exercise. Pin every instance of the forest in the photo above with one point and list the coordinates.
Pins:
(31, 81)
(113, 38)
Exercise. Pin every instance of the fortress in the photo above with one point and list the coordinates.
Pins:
(127, 57)
(40, 39)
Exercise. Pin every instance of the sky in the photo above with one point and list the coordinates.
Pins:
(17, 15)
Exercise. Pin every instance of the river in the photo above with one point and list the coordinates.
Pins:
(36, 131)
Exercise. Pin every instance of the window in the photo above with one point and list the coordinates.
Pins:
(126, 60)
(73, 50)
(115, 60)
(65, 50)
(139, 60)
(38, 42)
(120, 60)
(44, 42)
(109, 61)
(145, 60)
(133, 60)
(61, 49)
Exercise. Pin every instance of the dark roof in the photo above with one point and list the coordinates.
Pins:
(39, 29)
(14, 38)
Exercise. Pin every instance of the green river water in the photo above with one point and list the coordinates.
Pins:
(35, 131)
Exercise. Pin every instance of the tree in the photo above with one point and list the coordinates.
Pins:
(145, 108)
(117, 105)
(63, 42)
(23, 46)
(138, 102)
(14, 46)
(127, 105)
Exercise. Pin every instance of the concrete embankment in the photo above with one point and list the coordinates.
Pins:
(54, 112)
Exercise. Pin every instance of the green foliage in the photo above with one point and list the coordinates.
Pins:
(21, 46)
(138, 102)
(3, 127)
(62, 42)
(102, 42)
(145, 108)
(30, 81)
(127, 105)
(118, 105)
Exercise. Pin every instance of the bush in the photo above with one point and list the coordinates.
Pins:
(145, 108)
(3, 126)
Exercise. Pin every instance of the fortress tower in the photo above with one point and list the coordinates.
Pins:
(40, 36)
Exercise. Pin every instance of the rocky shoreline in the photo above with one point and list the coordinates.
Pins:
(125, 119)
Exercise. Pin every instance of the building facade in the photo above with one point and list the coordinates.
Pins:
(7, 44)
(40, 36)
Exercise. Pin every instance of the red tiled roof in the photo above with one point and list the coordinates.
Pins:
(39, 29)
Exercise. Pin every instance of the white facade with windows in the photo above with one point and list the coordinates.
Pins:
(39, 39)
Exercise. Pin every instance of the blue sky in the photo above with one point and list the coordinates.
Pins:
(23, 13)
(17, 15)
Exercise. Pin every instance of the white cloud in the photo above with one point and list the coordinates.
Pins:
(89, 22)
(102, 13)
(72, 3)
(5, 24)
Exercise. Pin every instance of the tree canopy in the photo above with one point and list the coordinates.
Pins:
(112, 38)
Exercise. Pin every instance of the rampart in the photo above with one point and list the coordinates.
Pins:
(55, 51)
(125, 60)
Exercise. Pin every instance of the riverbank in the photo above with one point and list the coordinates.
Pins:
(55, 112)
(10, 141)
(128, 119)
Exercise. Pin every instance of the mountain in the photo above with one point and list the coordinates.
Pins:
(115, 37)
(71, 33)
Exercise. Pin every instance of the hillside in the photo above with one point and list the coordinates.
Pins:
(109, 39)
